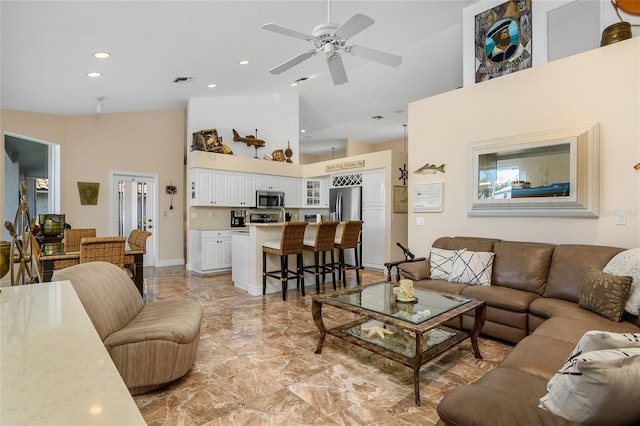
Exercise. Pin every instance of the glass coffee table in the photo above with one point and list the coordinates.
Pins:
(411, 333)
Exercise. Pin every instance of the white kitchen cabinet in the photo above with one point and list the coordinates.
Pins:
(292, 192)
(208, 187)
(241, 191)
(210, 250)
(374, 241)
(269, 183)
(374, 188)
(316, 192)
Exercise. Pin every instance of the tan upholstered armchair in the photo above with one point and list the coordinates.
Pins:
(150, 344)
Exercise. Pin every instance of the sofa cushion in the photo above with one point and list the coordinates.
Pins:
(171, 320)
(502, 297)
(597, 387)
(472, 267)
(538, 355)
(503, 396)
(604, 294)
(443, 286)
(441, 263)
(469, 243)
(572, 329)
(628, 263)
(595, 340)
(569, 265)
(523, 266)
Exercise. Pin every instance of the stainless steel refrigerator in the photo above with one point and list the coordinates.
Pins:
(346, 204)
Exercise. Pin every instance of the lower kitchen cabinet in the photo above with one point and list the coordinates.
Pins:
(210, 250)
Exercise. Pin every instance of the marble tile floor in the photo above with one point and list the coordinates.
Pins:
(256, 364)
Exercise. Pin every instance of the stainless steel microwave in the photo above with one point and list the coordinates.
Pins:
(269, 199)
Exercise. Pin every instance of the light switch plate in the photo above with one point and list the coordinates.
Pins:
(621, 218)
(420, 220)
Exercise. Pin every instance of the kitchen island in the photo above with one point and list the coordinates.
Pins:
(250, 259)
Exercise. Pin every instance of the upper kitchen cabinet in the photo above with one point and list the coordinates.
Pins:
(208, 187)
(242, 191)
(292, 192)
(316, 192)
(269, 183)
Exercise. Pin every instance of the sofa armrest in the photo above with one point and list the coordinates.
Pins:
(396, 264)
(478, 405)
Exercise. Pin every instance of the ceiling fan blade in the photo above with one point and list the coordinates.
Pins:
(374, 55)
(293, 61)
(353, 26)
(287, 31)
(336, 68)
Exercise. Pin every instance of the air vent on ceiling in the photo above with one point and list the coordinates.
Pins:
(182, 79)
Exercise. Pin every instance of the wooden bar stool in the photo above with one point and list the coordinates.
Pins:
(322, 243)
(290, 243)
(348, 239)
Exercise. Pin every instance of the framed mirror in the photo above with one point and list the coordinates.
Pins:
(552, 173)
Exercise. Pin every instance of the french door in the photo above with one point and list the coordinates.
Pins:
(133, 200)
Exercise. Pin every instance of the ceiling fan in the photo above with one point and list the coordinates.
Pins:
(331, 38)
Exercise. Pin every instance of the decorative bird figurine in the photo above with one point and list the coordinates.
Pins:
(429, 169)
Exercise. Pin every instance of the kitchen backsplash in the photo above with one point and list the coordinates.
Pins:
(220, 217)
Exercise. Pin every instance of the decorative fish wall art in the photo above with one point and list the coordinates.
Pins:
(429, 169)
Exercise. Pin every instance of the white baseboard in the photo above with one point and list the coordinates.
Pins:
(170, 262)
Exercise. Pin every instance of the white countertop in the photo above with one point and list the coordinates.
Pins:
(55, 369)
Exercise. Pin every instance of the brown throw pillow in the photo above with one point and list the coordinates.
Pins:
(604, 294)
(415, 271)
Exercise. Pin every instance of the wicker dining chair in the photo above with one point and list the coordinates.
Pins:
(322, 243)
(137, 239)
(105, 249)
(73, 236)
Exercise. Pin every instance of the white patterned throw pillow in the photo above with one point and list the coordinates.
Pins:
(597, 388)
(627, 263)
(472, 267)
(441, 263)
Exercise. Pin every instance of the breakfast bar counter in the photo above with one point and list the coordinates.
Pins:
(55, 369)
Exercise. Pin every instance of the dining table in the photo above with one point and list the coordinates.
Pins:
(52, 260)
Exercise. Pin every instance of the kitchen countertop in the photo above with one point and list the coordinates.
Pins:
(45, 381)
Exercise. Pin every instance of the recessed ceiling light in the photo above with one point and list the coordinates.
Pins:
(182, 79)
(101, 55)
(94, 74)
(303, 131)
(377, 117)
(294, 84)
(211, 86)
(244, 62)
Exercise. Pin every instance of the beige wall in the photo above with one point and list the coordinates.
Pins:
(601, 86)
(93, 146)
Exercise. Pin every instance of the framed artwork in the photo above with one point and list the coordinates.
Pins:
(400, 199)
(88, 192)
(503, 40)
(551, 173)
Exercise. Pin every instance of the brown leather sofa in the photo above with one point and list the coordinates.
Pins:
(532, 301)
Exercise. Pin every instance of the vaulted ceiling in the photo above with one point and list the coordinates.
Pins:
(47, 48)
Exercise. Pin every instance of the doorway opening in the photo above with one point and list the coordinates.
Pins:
(38, 163)
(133, 206)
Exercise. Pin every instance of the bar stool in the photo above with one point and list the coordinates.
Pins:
(290, 243)
(322, 243)
(348, 239)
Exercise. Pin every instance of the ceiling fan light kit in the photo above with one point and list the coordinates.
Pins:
(330, 38)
